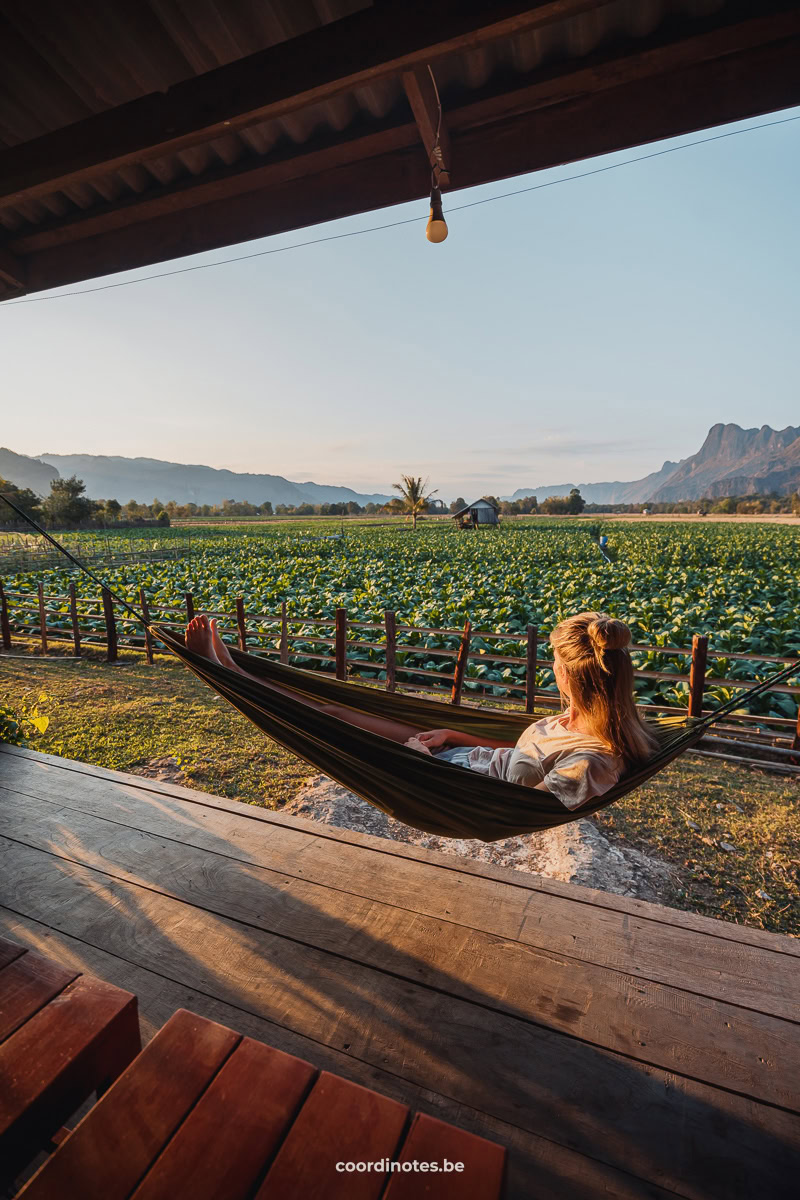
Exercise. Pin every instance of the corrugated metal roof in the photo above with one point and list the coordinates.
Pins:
(59, 65)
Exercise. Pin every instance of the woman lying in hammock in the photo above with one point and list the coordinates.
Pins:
(577, 755)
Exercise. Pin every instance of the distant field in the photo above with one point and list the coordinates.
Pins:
(737, 582)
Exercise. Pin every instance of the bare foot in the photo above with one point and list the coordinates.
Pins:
(199, 639)
(222, 652)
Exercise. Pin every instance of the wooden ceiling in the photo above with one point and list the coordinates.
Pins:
(144, 130)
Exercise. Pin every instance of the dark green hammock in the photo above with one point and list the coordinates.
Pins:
(420, 790)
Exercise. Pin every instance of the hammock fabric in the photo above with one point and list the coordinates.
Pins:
(420, 790)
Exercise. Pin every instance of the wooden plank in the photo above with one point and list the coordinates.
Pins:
(73, 615)
(234, 1129)
(444, 878)
(111, 627)
(26, 985)
(86, 1036)
(461, 665)
(339, 1123)
(42, 618)
(697, 674)
(5, 627)
(9, 952)
(340, 643)
(13, 271)
(421, 95)
(709, 93)
(531, 651)
(118, 1139)
(532, 1159)
(476, 1165)
(672, 46)
(284, 640)
(712, 963)
(148, 637)
(240, 624)
(631, 1117)
(665, 1026)
(310, 69)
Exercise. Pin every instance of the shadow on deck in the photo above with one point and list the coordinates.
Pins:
(615, 1047)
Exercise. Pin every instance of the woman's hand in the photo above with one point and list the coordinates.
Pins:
(436, 739)
(414, 743)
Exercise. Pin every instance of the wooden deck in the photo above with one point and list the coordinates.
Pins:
(615, 1047)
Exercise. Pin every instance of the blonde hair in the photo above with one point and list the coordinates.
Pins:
(593, 649)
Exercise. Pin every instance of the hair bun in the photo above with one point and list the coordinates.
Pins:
(607, 633)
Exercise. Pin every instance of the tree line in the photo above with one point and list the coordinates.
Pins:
(711, 506)
(67, 504)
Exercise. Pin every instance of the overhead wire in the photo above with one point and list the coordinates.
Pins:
(335, 237)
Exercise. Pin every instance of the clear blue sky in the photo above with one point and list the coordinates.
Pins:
(578, 333)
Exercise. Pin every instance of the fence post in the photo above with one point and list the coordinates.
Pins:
(42, 618)
(189, 606)
(73, 613)
(697, 674)
(148, 639)
(461, 664)
(284, 635)
(111, 627)
(240, 624)
(5, 627)
(530, 672)
(390, 624)
(341, 643)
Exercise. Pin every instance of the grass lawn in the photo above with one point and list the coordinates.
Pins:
(131, 717)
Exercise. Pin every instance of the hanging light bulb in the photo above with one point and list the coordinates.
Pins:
(436, 229)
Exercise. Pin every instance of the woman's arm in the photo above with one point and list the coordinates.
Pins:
(441, 739)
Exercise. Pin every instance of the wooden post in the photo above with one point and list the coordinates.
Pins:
(5, 626)
(697, 674)
(189, 606)
(341, 643)
(390, 623)
(240, 624)
(796, 738)
(284, 635)
(111, 627)
(42, 618)
(148, 637)
(73, 613)
(530, 672)
(461, 664)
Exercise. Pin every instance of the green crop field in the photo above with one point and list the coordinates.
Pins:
(737, 583)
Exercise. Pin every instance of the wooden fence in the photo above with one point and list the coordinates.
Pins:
(343, 645)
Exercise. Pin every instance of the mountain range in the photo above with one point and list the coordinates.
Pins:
(731, 462)
(142, 479)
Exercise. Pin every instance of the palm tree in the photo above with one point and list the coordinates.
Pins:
(413, 498)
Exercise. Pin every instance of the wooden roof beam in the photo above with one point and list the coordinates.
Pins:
(375, 43)
(704, 94)
(421, 93)
(674, 49)
(13, 271)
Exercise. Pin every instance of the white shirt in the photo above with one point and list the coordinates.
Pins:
(574, 766)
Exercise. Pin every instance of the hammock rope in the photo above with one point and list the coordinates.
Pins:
(419, 790)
